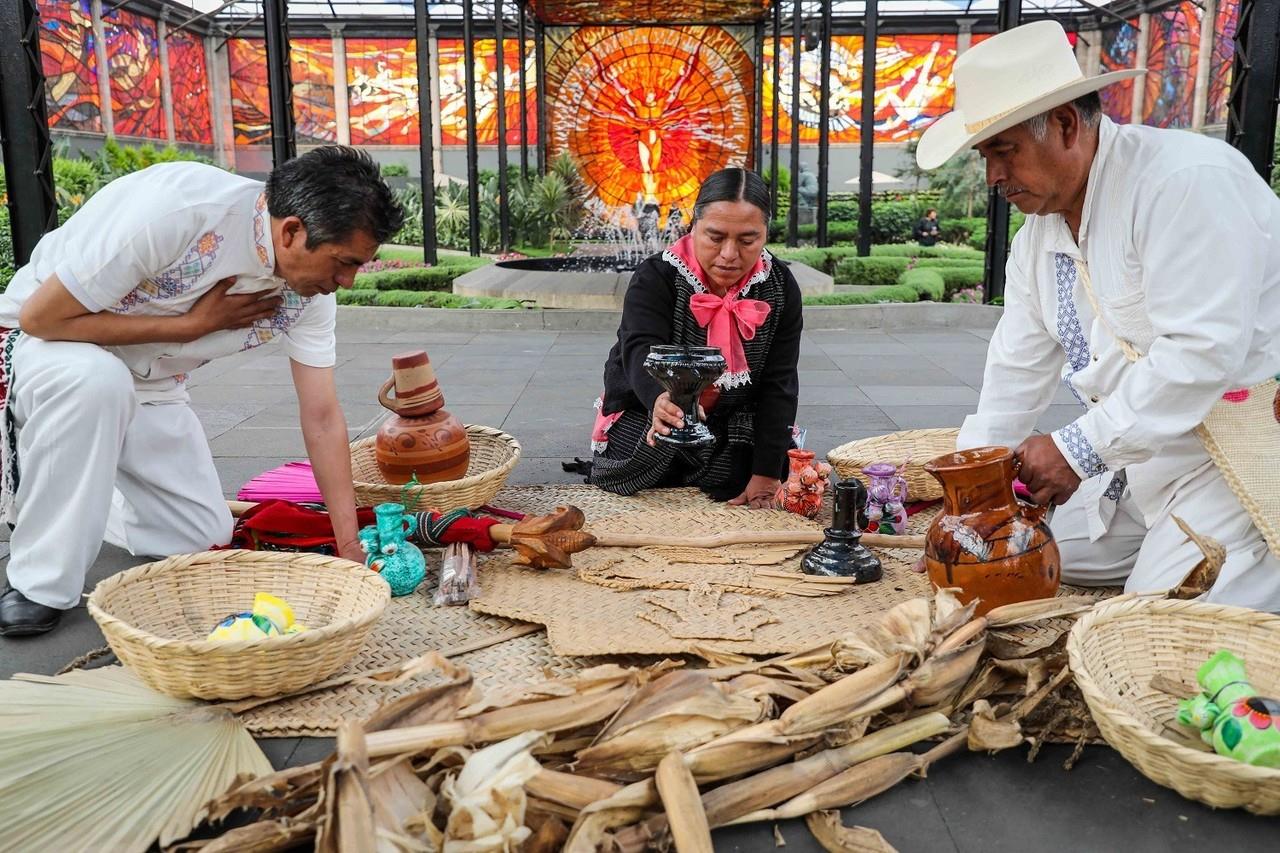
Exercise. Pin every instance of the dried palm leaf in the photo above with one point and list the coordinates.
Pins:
(687, 820)
(95, 760)
(835, 837)
(487, 798)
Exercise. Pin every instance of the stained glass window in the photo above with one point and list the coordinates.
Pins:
(382, 91)
(314, 115)
(1119, 51)
(133, 58)
(250, 99)
(453, 100)
(189, 79)
(1174, 43)
(913, 87)
(70, 65)
(649, 112)
(1224, 54)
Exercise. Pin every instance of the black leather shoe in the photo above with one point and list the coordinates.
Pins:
(22, 617)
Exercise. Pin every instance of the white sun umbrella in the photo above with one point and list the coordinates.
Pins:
(878, 179)
(96, 760)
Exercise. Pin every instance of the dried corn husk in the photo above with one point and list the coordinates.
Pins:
(1204, 574)
(348, 825)
(989, 734)
(1024, 612)
(831, 704)
(626, 806)
(835, 837)
(402, 807)
(570, 790)
(487, 798)
(677, 712)
(679, 793)
(95, 760)
(588, 681)
(860, 782)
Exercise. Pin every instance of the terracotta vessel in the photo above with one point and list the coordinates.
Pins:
(421, 438)
(807, 480)
(684, 372)
(985, 542)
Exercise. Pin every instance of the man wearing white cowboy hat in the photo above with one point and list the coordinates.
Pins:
(1147, 280)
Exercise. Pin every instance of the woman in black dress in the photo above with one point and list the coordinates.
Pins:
(717, 286)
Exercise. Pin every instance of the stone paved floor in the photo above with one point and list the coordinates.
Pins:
(539, 387)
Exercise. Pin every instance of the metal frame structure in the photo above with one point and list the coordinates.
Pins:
(27, 150)
(24, 129)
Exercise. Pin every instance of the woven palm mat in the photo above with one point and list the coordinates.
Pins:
(588, 619)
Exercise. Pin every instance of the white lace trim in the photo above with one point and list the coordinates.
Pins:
(698, 287)
(734, 380)
(599, 446)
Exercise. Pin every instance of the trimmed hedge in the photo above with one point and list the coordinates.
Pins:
(913, 286)
(870, 272)
(915, 250)
(420, 299)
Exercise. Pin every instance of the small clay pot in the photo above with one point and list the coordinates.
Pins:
(435, 447)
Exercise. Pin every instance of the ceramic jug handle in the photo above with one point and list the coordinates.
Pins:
(410, 524)
(1034, 513)
(384, 395)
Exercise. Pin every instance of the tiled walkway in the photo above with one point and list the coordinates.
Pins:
(539, 387)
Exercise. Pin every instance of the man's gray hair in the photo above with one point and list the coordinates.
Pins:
(1089, 106)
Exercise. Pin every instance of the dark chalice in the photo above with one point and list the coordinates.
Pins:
(684, 372)
(842, 554)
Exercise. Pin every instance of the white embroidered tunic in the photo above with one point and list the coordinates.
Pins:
(1182, 242)
(154, 242)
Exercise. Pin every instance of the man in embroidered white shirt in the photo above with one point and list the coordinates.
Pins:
(160, 272)
(1174, 237)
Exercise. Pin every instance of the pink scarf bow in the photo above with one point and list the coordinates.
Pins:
(729, 321)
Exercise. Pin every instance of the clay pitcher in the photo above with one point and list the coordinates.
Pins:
(421, 437)
(984, 541)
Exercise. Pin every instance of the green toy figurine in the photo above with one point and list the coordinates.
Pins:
(1232, 718)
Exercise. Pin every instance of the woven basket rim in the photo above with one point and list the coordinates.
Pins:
(312, 636)
(1133, 607)
(898, 435)
(473, 430)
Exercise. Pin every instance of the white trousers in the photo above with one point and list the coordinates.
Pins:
(96, 464)
(1154, 556)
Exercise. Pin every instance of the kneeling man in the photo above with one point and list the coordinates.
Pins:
(1147, 280)
(160, 272)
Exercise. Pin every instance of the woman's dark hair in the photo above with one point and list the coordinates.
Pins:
(335, 191)
(733, 185)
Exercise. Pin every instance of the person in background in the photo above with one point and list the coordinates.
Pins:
(927, 231)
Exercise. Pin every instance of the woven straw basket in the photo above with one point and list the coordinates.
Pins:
(156, 617)
(1119, 646)
(493, 455)
(915, 446)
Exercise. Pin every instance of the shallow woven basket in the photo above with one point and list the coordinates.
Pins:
(915, 446)
(156, 617)
(493, 455)
(1117, 648)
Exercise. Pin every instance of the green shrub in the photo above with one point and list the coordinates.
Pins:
(915, 250)
(361, 296)
(925, 283)
(958, 278)
(6, 249)
(960, 229)
(394, 170)
(418, 279)
(870, 272)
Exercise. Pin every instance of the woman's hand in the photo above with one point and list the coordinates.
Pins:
(352, 550)
(759, 493)
(667, 416)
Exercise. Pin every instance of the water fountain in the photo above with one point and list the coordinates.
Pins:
(607, 250)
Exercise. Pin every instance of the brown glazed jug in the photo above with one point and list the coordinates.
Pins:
(420, 437)
(985, 542)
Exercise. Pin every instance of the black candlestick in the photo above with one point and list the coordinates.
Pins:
(841, 553)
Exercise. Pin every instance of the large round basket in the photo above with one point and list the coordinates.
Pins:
(156, 617)
(1116, 650)
(493, 455)
(913, 446)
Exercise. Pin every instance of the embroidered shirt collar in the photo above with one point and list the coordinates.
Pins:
(263, 248)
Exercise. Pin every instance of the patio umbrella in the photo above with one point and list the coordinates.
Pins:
(96, 760)
(878, 179)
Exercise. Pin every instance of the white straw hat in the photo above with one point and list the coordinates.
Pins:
(1006, 80)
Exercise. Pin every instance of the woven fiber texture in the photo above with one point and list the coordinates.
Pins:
(493, 456)
(156, 617)
(587, 619)
(914, 446)
(1116, 650)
